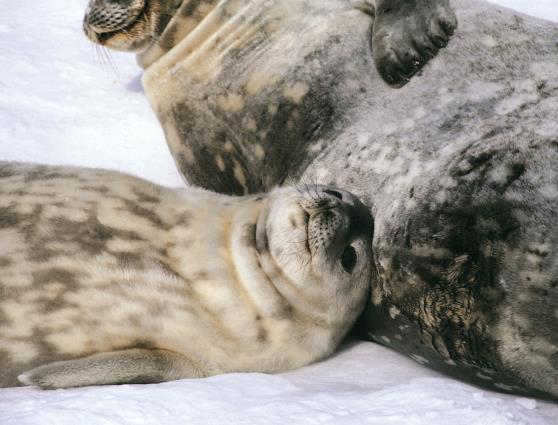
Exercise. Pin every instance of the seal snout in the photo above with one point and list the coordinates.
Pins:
(109, 16)
(336, 219)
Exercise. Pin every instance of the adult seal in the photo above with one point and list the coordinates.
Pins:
(109, 279)
(457, 166)
(459, 170)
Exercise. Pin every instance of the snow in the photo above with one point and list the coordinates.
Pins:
(363, 384)
(60, 104)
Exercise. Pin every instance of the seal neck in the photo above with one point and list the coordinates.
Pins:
(187, 19)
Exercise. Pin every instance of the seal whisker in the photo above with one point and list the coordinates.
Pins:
(110, 60)
(99, 57)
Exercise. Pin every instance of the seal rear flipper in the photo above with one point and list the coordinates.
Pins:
(407, 34)
(133, 366)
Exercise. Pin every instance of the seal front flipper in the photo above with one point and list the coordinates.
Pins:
(133, 366)
(406, 34)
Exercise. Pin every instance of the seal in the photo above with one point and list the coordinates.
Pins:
(110, 279)
(457, 166)
(243, 87)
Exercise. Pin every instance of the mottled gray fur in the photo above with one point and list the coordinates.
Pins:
(243, 87)
(459, 169)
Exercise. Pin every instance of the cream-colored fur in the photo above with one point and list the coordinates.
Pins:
(107, 278)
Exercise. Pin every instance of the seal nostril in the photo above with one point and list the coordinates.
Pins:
(333, 193)
(349, 259)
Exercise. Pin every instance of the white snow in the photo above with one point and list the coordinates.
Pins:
(363, 384)
(60, 105)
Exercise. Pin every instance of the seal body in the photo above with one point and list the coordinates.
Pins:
(457, 166)
(106, 278)
(243, 87)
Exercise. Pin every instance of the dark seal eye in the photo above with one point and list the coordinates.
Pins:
(349, 259)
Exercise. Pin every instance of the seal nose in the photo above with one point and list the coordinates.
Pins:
(104, 16)
(322, 198)
(360, 217)
(329, 196)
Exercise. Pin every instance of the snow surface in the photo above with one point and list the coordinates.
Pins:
(363, 384)
(61, 103)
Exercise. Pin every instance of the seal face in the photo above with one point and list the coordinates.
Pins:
(127, 25)
(110, 279)
(243, 87)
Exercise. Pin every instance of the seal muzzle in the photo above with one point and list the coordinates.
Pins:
(105, 16)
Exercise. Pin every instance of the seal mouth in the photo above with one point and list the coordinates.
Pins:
(307, 232)
(336, 221)
(264, 234)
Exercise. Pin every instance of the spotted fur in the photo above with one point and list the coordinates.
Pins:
(212, 71)
(106, 278)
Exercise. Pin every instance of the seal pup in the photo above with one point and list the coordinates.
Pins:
(109, 279)
(243, 87)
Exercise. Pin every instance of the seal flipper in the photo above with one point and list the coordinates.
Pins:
(133, 366)
(407, 34)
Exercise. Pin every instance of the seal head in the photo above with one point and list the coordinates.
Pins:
(320, 243)
(127, 25)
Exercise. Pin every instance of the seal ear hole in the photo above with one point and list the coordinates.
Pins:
(349, 259)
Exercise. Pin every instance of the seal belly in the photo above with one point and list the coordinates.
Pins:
(257, 80)
(467, 280)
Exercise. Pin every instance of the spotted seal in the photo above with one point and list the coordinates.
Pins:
(242, 87)
(457, 167)
(459, 170)
(110, 279)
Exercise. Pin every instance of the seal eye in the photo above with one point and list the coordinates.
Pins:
(349, 259)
